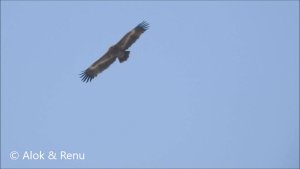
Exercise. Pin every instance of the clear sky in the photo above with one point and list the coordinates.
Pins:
(210, 84)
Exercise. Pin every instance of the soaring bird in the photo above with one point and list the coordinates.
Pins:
(118, 50)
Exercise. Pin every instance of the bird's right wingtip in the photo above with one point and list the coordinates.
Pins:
(144, 25)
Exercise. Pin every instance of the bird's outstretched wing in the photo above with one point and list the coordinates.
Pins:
(132, 36)
(118, 50)
(97, 67)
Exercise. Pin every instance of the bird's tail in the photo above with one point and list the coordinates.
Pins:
(124, 57)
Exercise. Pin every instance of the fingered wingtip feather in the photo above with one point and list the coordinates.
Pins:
(144, 25)
(84, 77)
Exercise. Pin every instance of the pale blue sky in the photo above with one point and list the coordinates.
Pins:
(210, 84)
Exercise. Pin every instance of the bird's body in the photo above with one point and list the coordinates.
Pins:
(118, 50)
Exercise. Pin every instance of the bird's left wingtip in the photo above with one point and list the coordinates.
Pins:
(85, 77)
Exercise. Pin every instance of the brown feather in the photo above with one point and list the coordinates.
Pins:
(97, 67)
(132, 36)
(114, 52)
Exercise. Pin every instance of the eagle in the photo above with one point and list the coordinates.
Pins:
(118, 50)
